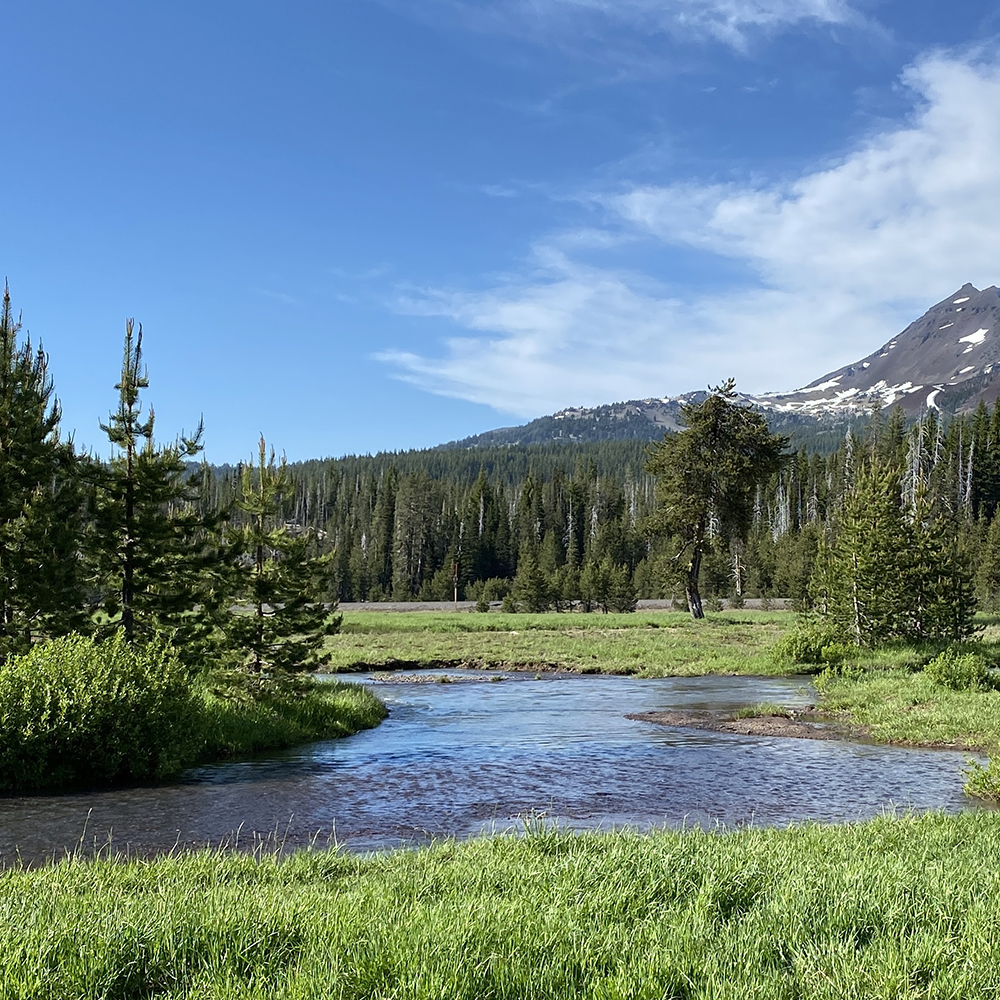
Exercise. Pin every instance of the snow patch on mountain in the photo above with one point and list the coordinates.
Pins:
(974, 338)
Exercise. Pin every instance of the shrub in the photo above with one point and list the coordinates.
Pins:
(811, 641)
(77, 711)
(960, 668)
(984, 782)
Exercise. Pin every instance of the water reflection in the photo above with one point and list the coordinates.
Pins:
(459, 758)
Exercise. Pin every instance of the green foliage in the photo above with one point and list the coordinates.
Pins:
(607, 587)
(984, 782)
(811, 641)
(41, 503)
(79, 711)
(76, 710)
(891, 573)
(240, 716)
(988, 571)
(960, 668)
(279, 626)
(707, 475)
(531, 591)
(154, 545)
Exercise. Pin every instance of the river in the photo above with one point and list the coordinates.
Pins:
(456, 759)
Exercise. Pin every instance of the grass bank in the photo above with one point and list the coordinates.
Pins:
(234, 723)
(893, 908)
(650, 644)
(901, 706)
(894, 697)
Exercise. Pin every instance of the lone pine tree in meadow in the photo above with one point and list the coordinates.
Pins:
(40, 500)
(707, 477)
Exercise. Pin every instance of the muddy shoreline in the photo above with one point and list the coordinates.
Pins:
(805, 725)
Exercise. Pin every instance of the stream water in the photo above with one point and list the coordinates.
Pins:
(454, 759)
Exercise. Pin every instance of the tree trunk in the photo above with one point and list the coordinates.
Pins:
(691, 584)
(128, 548)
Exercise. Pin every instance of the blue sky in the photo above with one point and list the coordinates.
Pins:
(378, 224)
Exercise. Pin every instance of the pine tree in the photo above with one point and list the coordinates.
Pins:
(531, 588)
(888, 575)
(156, 551)
(988, 572)
(940, 600)
(40, 501)
(280, 626)
(707, 475)
(622, 596)
(859, 583)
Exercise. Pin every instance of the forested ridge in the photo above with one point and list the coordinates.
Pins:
(407, 525)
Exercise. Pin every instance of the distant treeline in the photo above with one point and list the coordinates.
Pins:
(421, 525)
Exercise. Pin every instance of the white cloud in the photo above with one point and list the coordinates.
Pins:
(845, 255)
(728, 21)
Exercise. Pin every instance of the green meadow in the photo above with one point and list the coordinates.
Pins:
(895, 908)
(651, 644)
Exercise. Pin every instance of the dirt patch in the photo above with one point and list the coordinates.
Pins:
(798, 725)
(508, 666)
(392, 677)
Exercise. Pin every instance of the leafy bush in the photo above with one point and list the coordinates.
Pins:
(960, 668)
(984, 782)
(812, 641)
(77, 711)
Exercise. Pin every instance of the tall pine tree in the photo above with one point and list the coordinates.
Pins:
(156, 548)
(707, 475)
(40, 500)
(280, 623)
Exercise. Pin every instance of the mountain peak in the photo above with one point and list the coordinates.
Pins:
(948, 359)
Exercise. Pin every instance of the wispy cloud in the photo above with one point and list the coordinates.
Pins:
(498, 191)
(283, 297)
(844, 256)
(732, 22)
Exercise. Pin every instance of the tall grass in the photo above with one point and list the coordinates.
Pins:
(893, 908)
(900, 706)
(234, 723)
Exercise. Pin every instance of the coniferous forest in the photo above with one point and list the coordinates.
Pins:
(154, 542)
(550, 526)
(141, 629)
